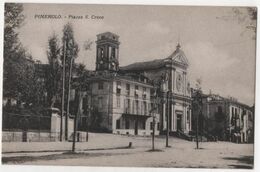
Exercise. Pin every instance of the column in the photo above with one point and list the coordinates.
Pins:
(184, 85)
(163, 116)
(173, 117)
(173, 79)
(184, 117)
(117, 53)
(190, 119)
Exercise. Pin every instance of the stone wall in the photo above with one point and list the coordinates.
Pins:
(34, 136)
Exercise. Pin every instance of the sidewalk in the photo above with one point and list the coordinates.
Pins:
(96, 141)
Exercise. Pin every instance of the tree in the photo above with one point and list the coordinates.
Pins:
(245, 17)
(70, 52)
(20, 80)
(54, 70)
(13, 20)
(12, 49)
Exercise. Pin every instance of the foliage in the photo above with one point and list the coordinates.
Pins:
(69, 54)
(244, 16)
(68, 41)
(53, 76)
(13, 20)
(20, 80)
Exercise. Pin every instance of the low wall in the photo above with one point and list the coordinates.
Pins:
(132, 132)
(31, 136)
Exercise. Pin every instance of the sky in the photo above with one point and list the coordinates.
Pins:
(219, 49)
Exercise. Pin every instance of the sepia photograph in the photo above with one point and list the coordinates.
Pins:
(117, 85)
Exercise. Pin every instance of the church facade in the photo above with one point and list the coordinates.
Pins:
(170, 74)
(135, 98)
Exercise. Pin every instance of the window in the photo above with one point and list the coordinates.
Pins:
(118, 87)
(136, 91)
(144, 93)
(101, 52)
(152, 93)
(151, 125)
(118, 101)
(137, 106)
(219, 110)
(113, 52)
(188, 116)
(127, 124)
(143, 125)
(158, 126)
(118, 124)
(145, 108)
(100, 102)
(85, 104)
(127, 106)
(128, 89)
(100, 85)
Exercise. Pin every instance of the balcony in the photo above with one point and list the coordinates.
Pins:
(136, 111)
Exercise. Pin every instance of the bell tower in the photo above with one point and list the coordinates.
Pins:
(107, 52)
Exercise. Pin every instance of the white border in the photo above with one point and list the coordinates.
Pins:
(9, 168)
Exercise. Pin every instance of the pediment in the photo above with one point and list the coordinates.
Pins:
(179, 57)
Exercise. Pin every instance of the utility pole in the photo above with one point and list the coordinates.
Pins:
(68, 102)
(63, 89)
(197, 118)
(153, 131)
(76, 121)
(167, 119)
(197, 130)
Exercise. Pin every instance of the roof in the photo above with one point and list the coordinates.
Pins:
(226, 99)
(108, 33)
(177, 57)
(111, 76)
(145, 65)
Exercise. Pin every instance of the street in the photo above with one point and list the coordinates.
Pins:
(112, 150)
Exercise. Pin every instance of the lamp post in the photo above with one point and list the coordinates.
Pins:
(166, 82)
(152, 113)
(198, 104)
(76, 120)
(68, 101)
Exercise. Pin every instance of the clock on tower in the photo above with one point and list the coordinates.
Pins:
(107, 51)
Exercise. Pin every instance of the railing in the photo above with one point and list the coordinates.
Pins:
(136, 111)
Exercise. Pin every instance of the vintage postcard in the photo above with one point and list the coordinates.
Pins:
(129, 85)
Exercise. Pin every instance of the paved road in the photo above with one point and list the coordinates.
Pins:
(110, 150)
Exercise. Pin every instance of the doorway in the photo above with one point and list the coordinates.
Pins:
(179, 119)
(136, 127)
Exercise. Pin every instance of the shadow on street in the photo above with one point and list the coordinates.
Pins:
(247, 161)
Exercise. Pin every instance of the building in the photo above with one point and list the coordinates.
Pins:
(124, 100)
(118, 102)
(226, 118)
(170, 74)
